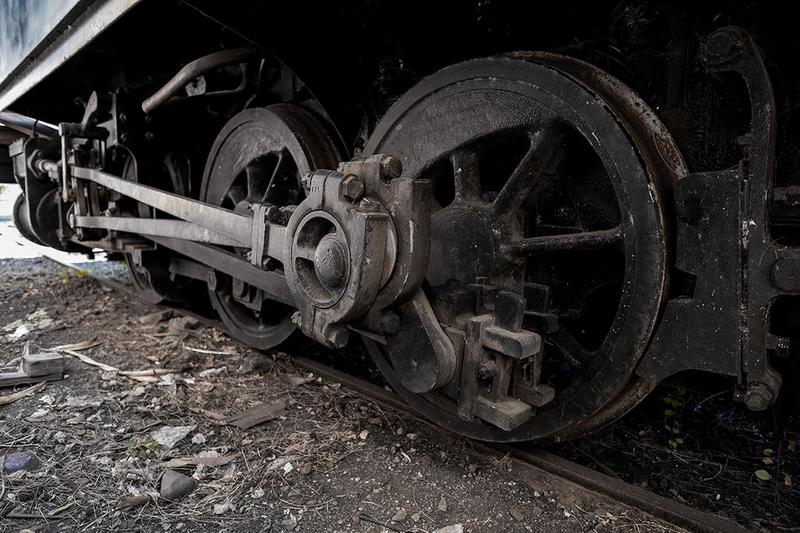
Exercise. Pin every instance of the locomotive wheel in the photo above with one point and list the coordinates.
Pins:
(545, 171)
(260, 156)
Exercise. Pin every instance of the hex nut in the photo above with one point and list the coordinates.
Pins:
(391, 168)
(352, 187)
(758, 397)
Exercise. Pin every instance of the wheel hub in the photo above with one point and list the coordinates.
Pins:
(463, 246)
(259, 157)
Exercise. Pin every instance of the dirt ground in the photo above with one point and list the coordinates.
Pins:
(331, 461)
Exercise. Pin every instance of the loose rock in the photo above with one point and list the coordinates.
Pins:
(400, 515)
(16, 461)
(455, 528)
(168, 436)
(258, 362)
(175, 485)
(179, 324)
(222, 508)
(154, 318)
(442, 505)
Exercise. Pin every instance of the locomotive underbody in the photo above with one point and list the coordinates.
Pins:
(530, 215)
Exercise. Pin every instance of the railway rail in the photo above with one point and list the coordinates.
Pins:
(528, 460)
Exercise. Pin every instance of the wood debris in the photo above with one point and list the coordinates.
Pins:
(258, 414)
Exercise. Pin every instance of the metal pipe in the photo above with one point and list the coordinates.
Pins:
(28, 125)
(193, 70)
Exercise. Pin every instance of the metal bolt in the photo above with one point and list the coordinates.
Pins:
(239, 288)
(297, 319)
(211, 280)
(720, 47)
(274, 214)
(337, 337)
(352, 187)
(367, 204)
(305, 181)
(391, 168)
(487, 370)
(758, 397)
(286, 212)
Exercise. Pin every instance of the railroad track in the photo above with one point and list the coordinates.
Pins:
(528, 461)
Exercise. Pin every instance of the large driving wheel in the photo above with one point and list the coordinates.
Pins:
(550, 179)
(260, 156)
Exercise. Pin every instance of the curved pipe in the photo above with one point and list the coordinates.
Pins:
(193, 70)
(27, 125)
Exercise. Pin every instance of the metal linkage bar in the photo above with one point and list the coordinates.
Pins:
(272, 283)
(178, 229)
(224, 222)
(570, 242)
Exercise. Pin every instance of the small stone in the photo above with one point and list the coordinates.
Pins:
(416, 517)
(168, 436)
(60, 437)
(175, 485)
(154, 318)
(400, 515)
(290, 522)
(455, 528)
(130, 502)
(258, 493)
(442, 508)
(199, 438)
(516, 514)
(363, 435)
(258, 362)
(401, 431)
(222, 508)
(179, 324)
(47, 398)
(16, 461)
(536, 494)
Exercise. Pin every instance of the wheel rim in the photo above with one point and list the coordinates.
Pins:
(259, 156)
(445, 129)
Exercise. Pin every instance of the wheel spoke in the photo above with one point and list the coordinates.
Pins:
(544, 148)
(284, 169)
(256, 181)
(570, 242)
(466, 174)
(236, 194)
(574, 351)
